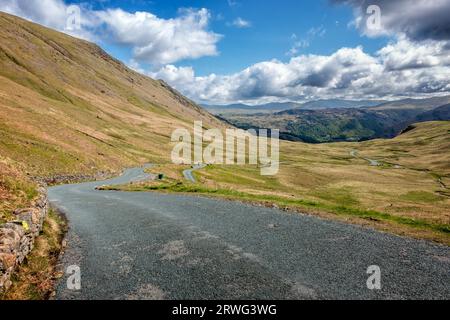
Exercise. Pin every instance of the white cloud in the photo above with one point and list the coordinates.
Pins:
(241, 23)
(154, 40)
(160, 41)
(348, 73)
(233, 3)
(316, 32)
(305, 42)
(405, 54)
(133, 64)
(418, 19)
(51, 13)
(172, 74)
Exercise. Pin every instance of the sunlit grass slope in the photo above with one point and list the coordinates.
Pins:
(406, 193)
(67, 106)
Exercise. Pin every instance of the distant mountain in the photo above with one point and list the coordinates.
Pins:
(421, 104)
(281, 106)
(341, 104)
(347, 124)
(247, 109)
(438, 114)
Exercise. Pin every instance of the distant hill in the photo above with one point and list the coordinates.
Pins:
(281, 106)
(247, 109)
(339, 104)
(420, 104)
(347, 124)
(438, 114)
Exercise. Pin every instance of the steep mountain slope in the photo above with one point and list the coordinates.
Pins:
(66, 106)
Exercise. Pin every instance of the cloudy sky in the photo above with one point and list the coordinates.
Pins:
(253, 51)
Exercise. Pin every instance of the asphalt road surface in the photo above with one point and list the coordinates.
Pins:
(157, 246)
(188, 173)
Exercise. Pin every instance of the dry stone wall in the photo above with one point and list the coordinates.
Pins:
(17, 237)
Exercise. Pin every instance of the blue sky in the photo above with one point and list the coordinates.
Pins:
(269, 36)
(253, 51)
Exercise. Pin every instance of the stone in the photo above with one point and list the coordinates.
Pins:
(43, 192)
(21, 211)
(9, 238)
(36, 216)
(40, 202)
(8, 260)
(18, 229)
(5, 283)
(26, 217)
(5, 248)
(26, 246)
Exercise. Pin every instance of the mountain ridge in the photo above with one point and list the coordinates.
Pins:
(282, 106)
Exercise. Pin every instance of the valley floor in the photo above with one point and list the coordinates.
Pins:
(398, 185)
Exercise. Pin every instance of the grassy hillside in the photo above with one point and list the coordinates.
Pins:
(67, 107)
(400, 185)
(16, 189)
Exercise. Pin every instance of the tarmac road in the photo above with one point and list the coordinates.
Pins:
(158, 246)
(188, 173)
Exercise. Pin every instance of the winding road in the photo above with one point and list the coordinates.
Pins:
(188, 173)
(159, 246)
(373, 163)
